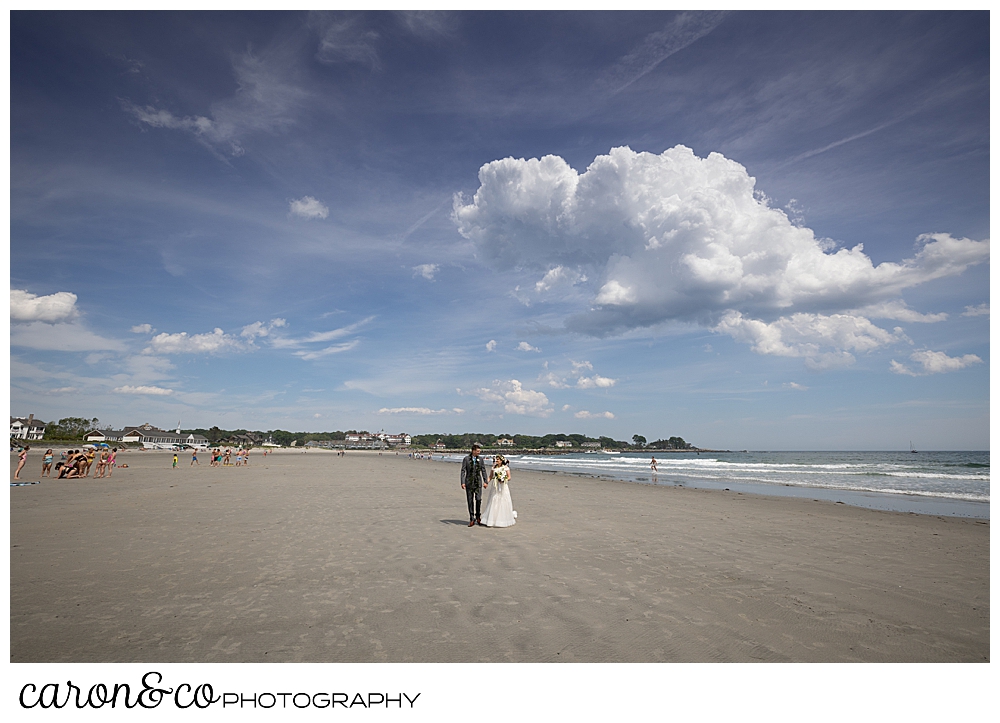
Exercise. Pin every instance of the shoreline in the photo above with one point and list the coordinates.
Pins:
(914, 503)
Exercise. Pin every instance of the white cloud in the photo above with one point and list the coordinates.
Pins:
(51, 309)
(934, 362)
(559, 276)
(491, 345)
(677, 237)
(556, 381)
(825, 341)
(260, 329)
(564, 381)
(184, 343)
(981, 310)
(60, 337)
(898, 311)
(308, 207)
(419, 410)
(426, 270)
(525, 346)
(154, 391)
(796, 386)
(142, 329)
(595, 381)
(64, 390)
(516, 399)
(584, 414)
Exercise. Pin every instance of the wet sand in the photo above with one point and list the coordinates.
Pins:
(309, 557)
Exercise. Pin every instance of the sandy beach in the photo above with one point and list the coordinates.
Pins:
(309, 557)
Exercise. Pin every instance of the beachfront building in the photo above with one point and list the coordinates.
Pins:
(504, 442)
(154, 438)
(104, 435)
(564, 444)
(27, 428)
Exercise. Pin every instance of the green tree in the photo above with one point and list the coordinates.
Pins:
(638, 440)
(71, 428)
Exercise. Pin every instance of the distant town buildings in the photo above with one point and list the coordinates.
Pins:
(563, 444)
(504, 442)
(29, 428)
(365, 440)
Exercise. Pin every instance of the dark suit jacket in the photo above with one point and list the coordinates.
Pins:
(467, 478)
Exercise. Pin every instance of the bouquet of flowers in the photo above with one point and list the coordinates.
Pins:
(501, 474)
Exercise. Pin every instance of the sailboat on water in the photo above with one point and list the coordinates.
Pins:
(912, 450)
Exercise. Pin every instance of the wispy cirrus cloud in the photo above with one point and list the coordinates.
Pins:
(421, 411)
(686, 29)
(320, 353)
(149, 390)
(61, 337)
(268, 99)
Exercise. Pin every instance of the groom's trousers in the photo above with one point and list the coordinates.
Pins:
(475, 497)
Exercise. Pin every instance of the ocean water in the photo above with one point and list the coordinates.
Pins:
(939, 483)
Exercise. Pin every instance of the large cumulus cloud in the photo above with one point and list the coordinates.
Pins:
(678, 237)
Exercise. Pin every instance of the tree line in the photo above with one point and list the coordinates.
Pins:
(74, 428)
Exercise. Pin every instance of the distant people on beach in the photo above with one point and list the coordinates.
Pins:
(47, 463)
(652, 465)
(194, 458)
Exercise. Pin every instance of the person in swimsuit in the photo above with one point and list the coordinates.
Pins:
(47, 464)
(22, 457)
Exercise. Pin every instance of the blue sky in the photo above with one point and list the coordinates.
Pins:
(749, 229)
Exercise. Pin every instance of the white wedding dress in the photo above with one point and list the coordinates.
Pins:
(499, 511)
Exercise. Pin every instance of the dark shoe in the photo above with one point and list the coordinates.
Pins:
(472, 523)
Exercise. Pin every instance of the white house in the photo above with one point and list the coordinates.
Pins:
(564, 444)
(504, 442)
(27, 428)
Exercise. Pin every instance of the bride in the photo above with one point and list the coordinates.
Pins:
(499, 511)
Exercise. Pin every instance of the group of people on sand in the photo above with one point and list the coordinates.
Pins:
(75, 463)
(498, 510)
(224, 458)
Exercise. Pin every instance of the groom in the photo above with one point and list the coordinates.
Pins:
(473, 481)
